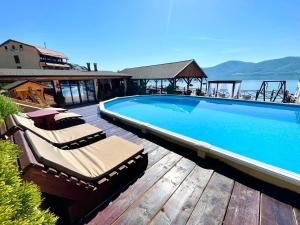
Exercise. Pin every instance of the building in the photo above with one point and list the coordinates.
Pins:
(84, 86)
(25, 89)
(19, 55)
(77, 86)
(187, 70)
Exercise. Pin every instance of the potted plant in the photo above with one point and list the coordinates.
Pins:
(60, 99)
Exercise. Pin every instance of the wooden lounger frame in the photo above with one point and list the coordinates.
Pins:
(84, 195)
(12, 127)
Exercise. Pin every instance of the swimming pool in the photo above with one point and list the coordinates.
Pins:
(265, 137)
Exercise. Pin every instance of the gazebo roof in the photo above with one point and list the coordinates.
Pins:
(182, 69)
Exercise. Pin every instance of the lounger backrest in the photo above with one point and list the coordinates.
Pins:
(52, 156)
(27, 123)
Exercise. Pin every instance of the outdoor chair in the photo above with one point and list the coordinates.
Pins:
(70, 137)
(86, 176)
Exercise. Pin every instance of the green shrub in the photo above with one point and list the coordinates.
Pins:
(59, 98)
(170, 89)
(134, 89)
(7, 107)
(19, 201)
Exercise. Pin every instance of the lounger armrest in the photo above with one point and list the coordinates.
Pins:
(10, 127)
(26, 158)
(10, 122)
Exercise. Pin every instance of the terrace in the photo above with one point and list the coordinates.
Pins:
(180, 188)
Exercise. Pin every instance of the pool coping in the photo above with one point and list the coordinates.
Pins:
(279, 177)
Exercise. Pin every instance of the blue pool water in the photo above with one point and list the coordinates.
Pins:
(265, 132)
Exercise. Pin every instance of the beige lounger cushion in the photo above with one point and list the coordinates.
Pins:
(87, 163)
(66, 115)
(62, 136)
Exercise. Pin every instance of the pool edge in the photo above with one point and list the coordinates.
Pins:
(271, 174)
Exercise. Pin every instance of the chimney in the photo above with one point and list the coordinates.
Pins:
(95, 67)
(88, 65)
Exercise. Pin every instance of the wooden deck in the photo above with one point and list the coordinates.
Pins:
(180, 188)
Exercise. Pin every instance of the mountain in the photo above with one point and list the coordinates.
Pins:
(287, 68)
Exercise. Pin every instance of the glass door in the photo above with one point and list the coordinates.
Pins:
(75, 92)
(83, 91)
(90, 90)
(65, 89)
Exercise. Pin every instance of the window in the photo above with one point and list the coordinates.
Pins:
(21, 47)
(19, 67)
(13, 47)
(17, 59)
(5, 47)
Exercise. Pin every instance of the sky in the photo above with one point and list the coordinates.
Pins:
(118, 34)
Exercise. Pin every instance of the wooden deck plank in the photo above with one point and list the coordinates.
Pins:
(273, 211)
(91, 118)
(180, 206)
(151, 176)
(212, 205)
(150, 203)
(243, 206)
(103, 126)
(156, 155)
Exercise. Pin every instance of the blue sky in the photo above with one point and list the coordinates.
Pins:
(119, 34)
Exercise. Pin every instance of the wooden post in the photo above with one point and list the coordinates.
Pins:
(187, 85)
(201, 85)
(125, 86)
(156, 86)
(174, 80)
(284, 91)
(161, 86)
(233, 87)
(264, 91)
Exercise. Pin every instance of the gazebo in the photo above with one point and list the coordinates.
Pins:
(187, 71)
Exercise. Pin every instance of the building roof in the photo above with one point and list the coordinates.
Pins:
(164, 71)
(18, 73)
(48, 52)
(42, 51)
(17, 84)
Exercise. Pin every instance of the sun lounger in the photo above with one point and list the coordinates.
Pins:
(62, 115)
(88, 163)
(68, 137)
(87, 176)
